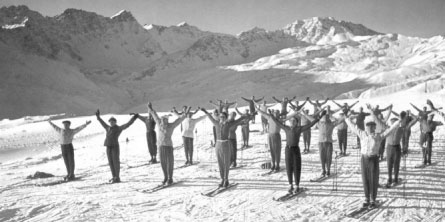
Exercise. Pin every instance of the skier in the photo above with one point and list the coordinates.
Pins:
(245, 130)
(232, 140)
(112, 143)
(188, 126)
(297, 107)
(305, 120)
(226, 105)
(252, 105)
(264, 123)
(223, 152)
(406, 129)
(150, 125)
(274, 138)
(370, 140)
(293, 155)
(317, 105)
(165, 131)
(342, 135)
(345, 107)
(283, 103)
(66, 136)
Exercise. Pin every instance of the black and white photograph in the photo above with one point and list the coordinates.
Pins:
(222, 110)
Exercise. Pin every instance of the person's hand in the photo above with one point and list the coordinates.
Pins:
(307, 98)
(149, 105)
(323, 113)
(98, 112)
(88, 122)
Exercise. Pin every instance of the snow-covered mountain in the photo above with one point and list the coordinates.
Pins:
(79, 61)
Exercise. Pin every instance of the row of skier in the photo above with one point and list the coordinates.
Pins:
(372, 137)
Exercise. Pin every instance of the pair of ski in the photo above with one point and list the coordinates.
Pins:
(141, 165)
(214, 192)
(160, 187)
(361, 211)
(270, 172)
(290, 196)
(321, 178)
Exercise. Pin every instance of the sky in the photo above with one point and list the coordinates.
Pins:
(422, 18)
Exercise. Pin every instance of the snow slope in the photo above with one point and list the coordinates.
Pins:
(421, 198)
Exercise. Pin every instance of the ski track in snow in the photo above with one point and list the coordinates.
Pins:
(420, 199)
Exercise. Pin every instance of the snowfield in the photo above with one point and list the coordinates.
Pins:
(420, 198)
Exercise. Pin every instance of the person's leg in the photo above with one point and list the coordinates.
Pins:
(163, 156)
(277, 145)
(289, 164)
(232, 145)
(390, 159)
(358, 143)
(374, 176)
(170, 163)
(110, 160)
(149, 146)
(340, 141)
(365, 177)
(329, 150)
(271, 149)
(220, 157)
(345, 141)
(65, 159)
(247, 135)
(155, 147)
(186, 149)
(424, 149)
(309, 139)
(243, 132)
(322, 152)
(71, 161)
(191, 150)
(116, 161)
(430, 147)
(214, 136)
(382, 149)
(397, 157)
(226, 157)
(297, 165)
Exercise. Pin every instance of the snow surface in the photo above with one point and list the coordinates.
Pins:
(14, 26)
(420, 199)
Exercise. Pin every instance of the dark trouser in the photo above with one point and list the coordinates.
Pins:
(370, 176)
(113, 154)
(405, 140)
(233, 150)
(167, 161)
(68, 158)
(307, 139)
(422, 139)
(393, 155)
(223, 156)
(188, 148)
(358, 143)
(151, 141)
(429, 148)
(265, 124)
(275, 148)
(245, 131)
(382, 148)
(342, 139)
(325, 149)
(214, 135)
(293, 164)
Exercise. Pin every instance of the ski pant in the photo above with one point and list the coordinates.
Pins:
(188, 147)
(265, 124)
(342, 139)
(422, 138)
(245, 130)
(167, 161)
(370, 176)
(113, 154)
(223, 156)
(307, 139)
(405, 140)
(293, 164)
(358, 143)
(382, 148)
(151, 141)
(275, 148)
(325, 149)
(429, 148)
(393, 156)
(68, 158)
(214, 135)
(233, 150)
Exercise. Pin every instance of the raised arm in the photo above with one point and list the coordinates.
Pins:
(261, 112)
(410, 124)
(278, 122)
(153, 113)
(104, 125)
(395, 113)
(307, 127)
(415, 107)
(247, 100)
(258, 100)
(390, 129)
(337, 104)
(217, 106)
(277, 100)
(178, 121)
(320, 104)
(131, 121)
(388, 114)
(301, 106)
(230, 104)
(440, 114)
(310, 118)
(354, 127)
(350, 107)
(142, 118)
(239, 113)
(209, 116)
(339, 121)
(58, 129)
(81, 127)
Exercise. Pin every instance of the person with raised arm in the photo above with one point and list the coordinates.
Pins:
(252, 102)
(150, 125)
(226, 105)
(345, 108)
(274, 138)
(232, 140)
(113, 131)
(245, 129)
(222, 149)
(380, 128)
(218, 106)
(317, 104)
(283, 103)
(293, 155)
(264, 122)
(66, 135)
(188, 126)
(393, 148)
(360, 121)
(297, 106)
(429, 126)
(165, 132)
(423, 115)
(406, 128)
(370, 140)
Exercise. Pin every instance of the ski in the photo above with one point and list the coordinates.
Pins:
(187, 165)
(270, 172)
(210, 192)
(221, 190)
(362, 211)
(237, 167)
(341, 156)
(305, 152)
(322, 178)
(290, 196)
(159, 187)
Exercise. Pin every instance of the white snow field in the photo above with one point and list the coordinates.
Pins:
(420, 198)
